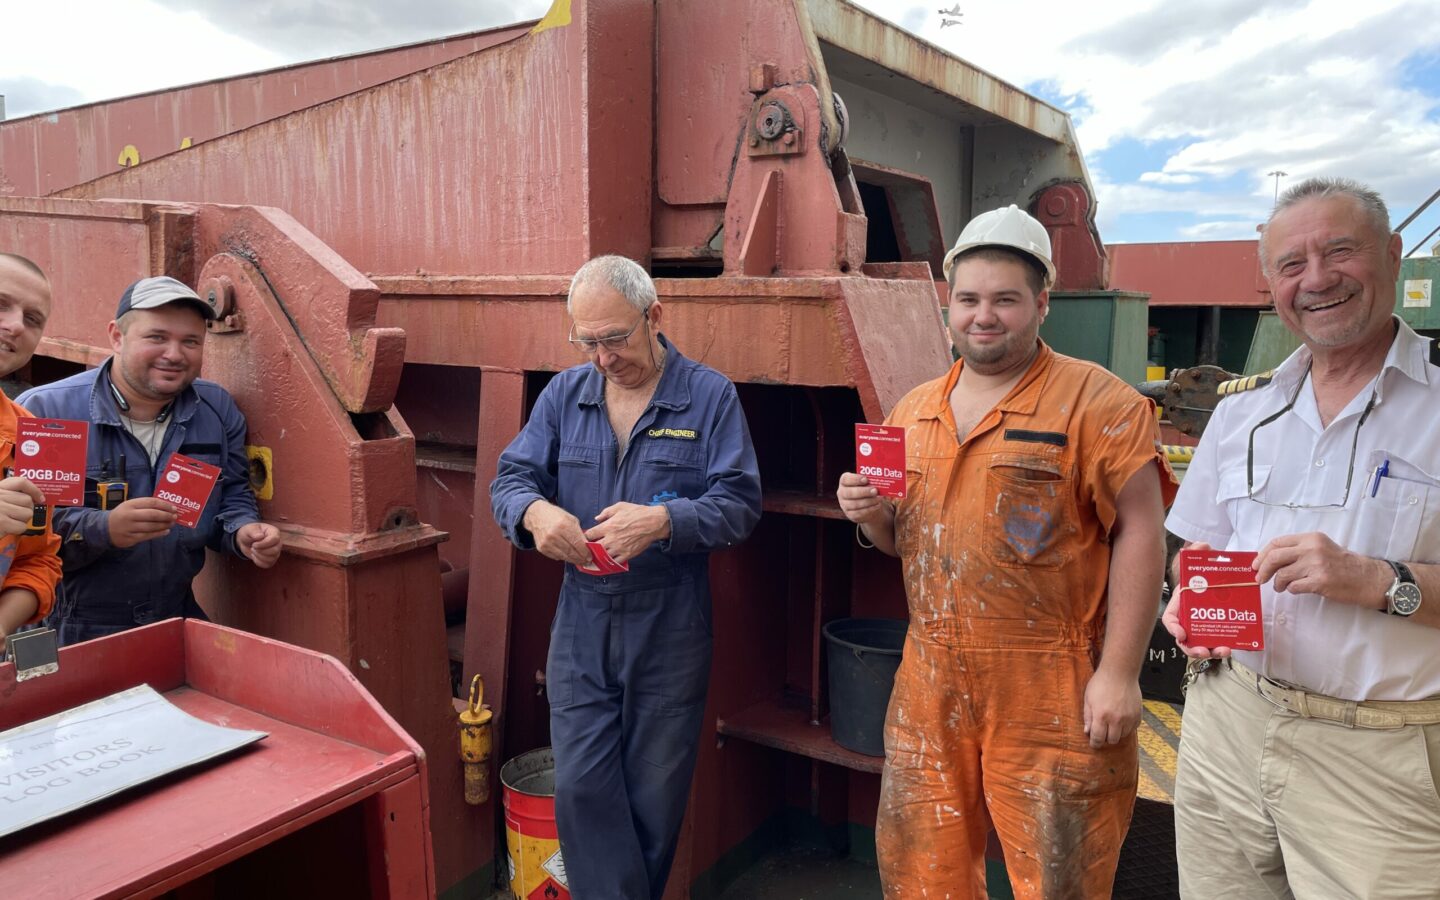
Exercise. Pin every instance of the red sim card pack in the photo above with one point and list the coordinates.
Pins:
(1219, 599)
(51, 453)
(880, 457)
(604, 565)
(187, 483)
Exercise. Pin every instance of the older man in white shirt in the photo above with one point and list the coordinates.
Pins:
(1308, 769)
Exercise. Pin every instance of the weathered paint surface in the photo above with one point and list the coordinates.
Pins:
(1191, 273)
(360, 575)
(452, 205)
(48, 152)
(882, 335)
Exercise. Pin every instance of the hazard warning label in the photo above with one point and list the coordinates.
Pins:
(555, 865)
(549, 890)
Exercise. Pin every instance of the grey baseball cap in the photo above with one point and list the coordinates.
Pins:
(161, 290)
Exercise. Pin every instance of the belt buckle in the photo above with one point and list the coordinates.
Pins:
(1194, 669)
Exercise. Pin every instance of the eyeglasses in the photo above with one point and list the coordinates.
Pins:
(614, 343)
(1349, 471)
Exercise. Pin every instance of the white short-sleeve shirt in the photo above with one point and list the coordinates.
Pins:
(1329, 647)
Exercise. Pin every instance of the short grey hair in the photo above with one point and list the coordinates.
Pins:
(1321, 188)
(625, 276)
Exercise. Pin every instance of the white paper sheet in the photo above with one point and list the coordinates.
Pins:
(67, 761)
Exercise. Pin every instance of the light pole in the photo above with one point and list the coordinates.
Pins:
(1277, 174)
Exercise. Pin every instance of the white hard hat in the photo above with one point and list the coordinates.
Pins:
(1009, 227)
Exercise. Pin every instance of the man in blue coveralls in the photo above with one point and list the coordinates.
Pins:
(646, 452)
(127, 561)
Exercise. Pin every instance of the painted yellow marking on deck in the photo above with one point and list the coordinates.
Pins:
(1158, 749)
(1149, 790)
(1160, 743)
(1166, 713)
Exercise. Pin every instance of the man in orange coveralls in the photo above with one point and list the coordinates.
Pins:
(1032, 544)
(29, 568)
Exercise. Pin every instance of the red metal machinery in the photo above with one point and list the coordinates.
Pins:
(334, 797)
(51, 151)
(796, 242)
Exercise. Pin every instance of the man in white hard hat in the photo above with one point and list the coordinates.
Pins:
(1033, 554)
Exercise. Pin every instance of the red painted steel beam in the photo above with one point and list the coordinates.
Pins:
(492, 557)
(882, 335)
(528, 157)
(51, 151)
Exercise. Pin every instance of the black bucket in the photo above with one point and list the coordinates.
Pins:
(863, 656)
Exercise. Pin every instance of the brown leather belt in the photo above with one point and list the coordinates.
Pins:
(1378, 714)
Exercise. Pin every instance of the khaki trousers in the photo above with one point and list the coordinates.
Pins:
(1272, 805)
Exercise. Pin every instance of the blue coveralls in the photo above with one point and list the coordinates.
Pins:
(629, 659)
(110, 589)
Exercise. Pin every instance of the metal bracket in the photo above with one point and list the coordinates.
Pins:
(774, 130)
(34, 653)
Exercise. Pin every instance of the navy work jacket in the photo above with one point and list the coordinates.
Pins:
(150, 581)
(689, 450)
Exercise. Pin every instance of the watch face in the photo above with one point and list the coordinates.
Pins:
(1405, 600)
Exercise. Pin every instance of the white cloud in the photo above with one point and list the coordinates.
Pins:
(1240, 87)
(1168, 178)
(1232, 88)
(1220, 231)
(111, 49)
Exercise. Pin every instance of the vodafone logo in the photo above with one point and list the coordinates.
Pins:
(865, 449)
(1198, 584)
(172, 476)
(30, 448)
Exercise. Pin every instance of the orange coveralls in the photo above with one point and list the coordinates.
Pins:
(1004, 544)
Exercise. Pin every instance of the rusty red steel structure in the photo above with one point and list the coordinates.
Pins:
(1192, 273)
(419, 267)
(51, 151)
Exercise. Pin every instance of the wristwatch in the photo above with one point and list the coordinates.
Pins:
(1403, 598)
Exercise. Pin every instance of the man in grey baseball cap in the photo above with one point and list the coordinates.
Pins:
(127, 561)
(158, 291)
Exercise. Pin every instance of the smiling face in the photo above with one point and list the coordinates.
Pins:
(158, 352)
(995, 314)
(24, 308)
(1332, 273)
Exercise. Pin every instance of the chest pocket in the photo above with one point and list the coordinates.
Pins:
(1402, 518)
(670, 468)
(577, 484)
(1247, 518)
(1028, 510)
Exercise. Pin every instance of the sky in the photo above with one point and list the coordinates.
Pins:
(1183, 110)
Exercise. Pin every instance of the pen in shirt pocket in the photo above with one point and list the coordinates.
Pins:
(1381, 471)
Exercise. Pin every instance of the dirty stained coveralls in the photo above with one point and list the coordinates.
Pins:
(1003, 541)
(629, 658)
(111, 589)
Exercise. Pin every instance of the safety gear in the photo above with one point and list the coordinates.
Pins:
(1004, 543)
(1009, 227)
